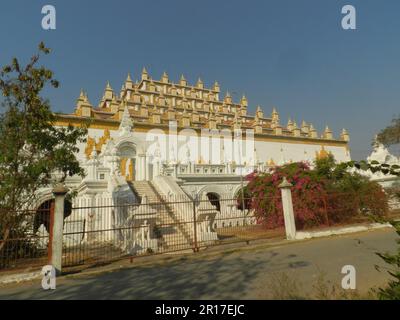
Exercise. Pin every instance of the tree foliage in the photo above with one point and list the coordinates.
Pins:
(392, 290)
(33, 152)
(391, 134)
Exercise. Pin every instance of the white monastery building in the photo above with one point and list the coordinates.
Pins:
(159, 140)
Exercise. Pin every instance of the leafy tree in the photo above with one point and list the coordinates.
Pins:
(391, 134)
(392, 290)
(324, 166)
(32, 149)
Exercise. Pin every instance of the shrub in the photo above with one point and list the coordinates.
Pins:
(326, 194)
(307, 192)
(392, 290)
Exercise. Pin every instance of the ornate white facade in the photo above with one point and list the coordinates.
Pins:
(160, 140)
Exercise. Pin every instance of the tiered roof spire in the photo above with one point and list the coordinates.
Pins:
(166, 99)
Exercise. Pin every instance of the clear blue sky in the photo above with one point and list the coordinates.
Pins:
(290, 54)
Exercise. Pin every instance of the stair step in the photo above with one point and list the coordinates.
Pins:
(182, 236)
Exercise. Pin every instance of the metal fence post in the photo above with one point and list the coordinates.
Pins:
(59, 192)
(195, 248)
(288, 214)
(51, 224)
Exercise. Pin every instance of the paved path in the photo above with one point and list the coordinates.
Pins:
(245, 274)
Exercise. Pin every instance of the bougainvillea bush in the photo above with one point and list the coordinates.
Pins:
(323, 195)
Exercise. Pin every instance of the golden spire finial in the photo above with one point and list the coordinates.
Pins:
(128, 78)
(86, 98)
(108, 86)
(345, 135)
(164, 77)
(216, 86)
(81, 95)
(243, 101)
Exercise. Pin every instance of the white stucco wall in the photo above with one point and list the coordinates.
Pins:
(212, 149)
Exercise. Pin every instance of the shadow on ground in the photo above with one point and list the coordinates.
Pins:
(223, 277)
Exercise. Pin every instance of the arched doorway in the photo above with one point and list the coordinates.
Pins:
(127, 155)
(42, 214)
(214, 199)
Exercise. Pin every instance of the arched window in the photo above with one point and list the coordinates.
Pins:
(214, 199)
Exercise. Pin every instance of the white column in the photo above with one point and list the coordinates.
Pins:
(141, 167)
(156, 167)
(288, 214)
(57, 228)
(147, 168)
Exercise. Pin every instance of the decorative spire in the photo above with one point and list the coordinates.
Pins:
(290, 125)
(128, 78)
(275, 116)
(183, 81)
(259, 112)
(243, 101)
(228, 98)
(86, 98)
(108, 92)
(82, 99)
(126, 124)
(305, 127)
(200, 84)
(345, 136)
(108, 86)
(216, 87)
(327, 133)
(164, 77)
(145, 75)
(81, 95)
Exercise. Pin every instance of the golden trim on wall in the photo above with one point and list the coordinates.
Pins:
(65, 120)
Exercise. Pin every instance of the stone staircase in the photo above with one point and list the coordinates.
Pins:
(175, 233)
(144, 188)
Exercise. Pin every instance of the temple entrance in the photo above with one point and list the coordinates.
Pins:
(127, 154)
(127, 168)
